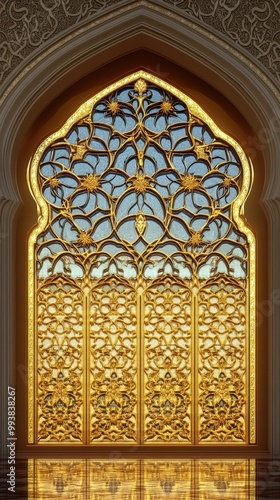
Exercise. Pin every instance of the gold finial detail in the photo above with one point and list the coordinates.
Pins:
(140, 223)
(91, 182)
(140, 86)
(196, 239)
(190, 182)
(140, 183)
(140, 157)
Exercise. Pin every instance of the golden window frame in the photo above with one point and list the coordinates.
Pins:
(184, 400)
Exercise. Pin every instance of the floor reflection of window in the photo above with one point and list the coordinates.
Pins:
(131, 479)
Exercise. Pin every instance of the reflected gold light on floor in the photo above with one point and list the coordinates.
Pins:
(170, 479)
(113, 479)
(227, 479)
(142, 479)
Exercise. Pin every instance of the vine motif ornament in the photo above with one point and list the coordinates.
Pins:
(144, 274)
(29, 24)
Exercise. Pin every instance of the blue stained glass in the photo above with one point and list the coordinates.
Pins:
(230, 169)
(166, 143)
(179, 230)
(157, 95)
(156, 125)
(168, 248)
(198, 223)
(83, 223)
(153, 230)
(102, 229)
(198, 169)
(210, 233)
(102, 133)
(177, 133)
(50, 169)
(82, 168)
(101, 164)
(140, 143)
(114, 143)
(153, 205)
(61, 155)
(140, 246)
(219, 154)
(77, 134)
(159, 160)
(97, 145)
(228, 196)
(182, 145)
(127, 230)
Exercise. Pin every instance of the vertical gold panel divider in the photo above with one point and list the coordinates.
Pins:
(194, 368)
(31, 346)
(140, 367)
(251, 325)
(86, 365)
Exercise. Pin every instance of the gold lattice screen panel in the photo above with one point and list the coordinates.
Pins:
(141, 276)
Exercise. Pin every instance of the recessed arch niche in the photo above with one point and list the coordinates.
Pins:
(44, 82)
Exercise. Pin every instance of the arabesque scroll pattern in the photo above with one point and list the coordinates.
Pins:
(60, 361)
(141, 196)
(113, 362)
(167, 362)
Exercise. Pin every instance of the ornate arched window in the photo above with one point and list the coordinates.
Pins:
(141, 276)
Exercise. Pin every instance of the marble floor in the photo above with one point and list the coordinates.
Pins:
(137, 479)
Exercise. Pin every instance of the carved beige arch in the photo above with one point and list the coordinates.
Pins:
(48, 72)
